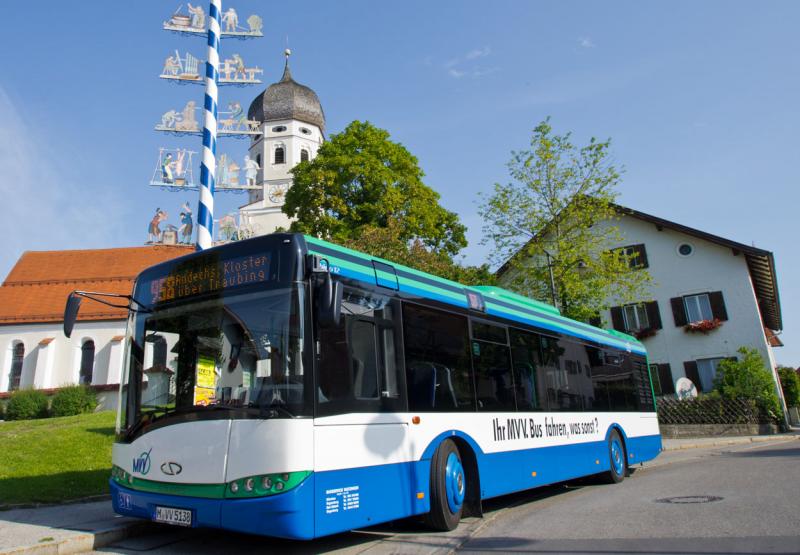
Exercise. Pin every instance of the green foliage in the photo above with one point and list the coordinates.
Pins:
(26, 404)
(72, 400)
(364, 191)
(53, 460)
(748, 378)
(548, 217)
(790, 383)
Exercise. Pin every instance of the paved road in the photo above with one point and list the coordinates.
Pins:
(752, 506)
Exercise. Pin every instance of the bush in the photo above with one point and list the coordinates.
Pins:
(72, 400)
(790, 383)
(748, 378)
(26, 404)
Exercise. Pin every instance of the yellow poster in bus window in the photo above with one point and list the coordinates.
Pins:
(206, 372)
(203, 396)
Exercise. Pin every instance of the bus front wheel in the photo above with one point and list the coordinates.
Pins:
(448, 488)
(619, 461)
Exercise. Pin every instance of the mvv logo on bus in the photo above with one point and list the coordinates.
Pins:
(142, 463)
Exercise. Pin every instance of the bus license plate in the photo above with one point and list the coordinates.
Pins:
(170, 515)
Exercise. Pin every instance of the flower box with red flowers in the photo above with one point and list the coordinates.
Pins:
(703, 326)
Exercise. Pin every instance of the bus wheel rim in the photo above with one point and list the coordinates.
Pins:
(616, 456)
(455, 486)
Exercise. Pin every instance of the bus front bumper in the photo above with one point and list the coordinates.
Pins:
(285, 515)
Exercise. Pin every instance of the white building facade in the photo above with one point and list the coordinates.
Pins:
(292, 130)
(35, 351)
(709, 297)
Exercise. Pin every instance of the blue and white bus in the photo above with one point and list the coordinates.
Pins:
(289, 387)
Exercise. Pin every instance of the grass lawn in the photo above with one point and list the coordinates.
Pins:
(55, 459)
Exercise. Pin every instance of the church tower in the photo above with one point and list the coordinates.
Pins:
(292, 127)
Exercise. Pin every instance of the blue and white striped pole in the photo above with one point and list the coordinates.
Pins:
(208, 167)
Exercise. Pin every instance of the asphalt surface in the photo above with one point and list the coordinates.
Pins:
(736, 499)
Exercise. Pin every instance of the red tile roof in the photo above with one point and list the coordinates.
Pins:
(36, 289)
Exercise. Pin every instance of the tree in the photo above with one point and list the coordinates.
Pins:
(748, 378)
(790, 383)
(558, 215)
(364, 191)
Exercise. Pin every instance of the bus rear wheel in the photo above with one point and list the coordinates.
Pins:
(448, 488)
(619, 461)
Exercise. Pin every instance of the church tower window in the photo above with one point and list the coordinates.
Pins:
(303, 155)
(280, 155)
(87, 362)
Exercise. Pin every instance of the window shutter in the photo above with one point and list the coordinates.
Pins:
(665, 377)
(678, 311)
(653, 315)
(690, 366)
(718, 305)
(617, 320)
(641, 259)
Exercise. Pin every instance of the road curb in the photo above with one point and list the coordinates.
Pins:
(80, 543)
(722, 442)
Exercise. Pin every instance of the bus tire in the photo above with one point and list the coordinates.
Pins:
(448, 488)
(617, 457)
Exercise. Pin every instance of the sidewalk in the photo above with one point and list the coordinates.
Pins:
(83, 527)
(701, 442)
(62, 529)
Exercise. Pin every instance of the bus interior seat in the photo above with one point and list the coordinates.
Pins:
(423, 383)
(445, 381)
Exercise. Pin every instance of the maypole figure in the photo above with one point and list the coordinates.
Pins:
(154, 229)
(166, 169)
(205, 212)
(251, 168)
(187, 225)
(231, 19)
(198, 16)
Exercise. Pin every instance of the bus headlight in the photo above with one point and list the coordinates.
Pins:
(266, 484)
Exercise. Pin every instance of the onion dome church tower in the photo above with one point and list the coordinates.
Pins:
(292, 124)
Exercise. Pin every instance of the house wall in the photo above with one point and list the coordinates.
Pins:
(58, 363)
(710, 267)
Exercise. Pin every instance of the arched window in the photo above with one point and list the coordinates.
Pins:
(17, 358)
(159, 352)
(280, 155)
(303, 155)
(258, 160)
(87, 362)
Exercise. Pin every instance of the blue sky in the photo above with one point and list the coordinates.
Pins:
(700, 100)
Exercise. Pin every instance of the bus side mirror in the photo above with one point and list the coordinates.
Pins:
(71, 313)
(329, 302)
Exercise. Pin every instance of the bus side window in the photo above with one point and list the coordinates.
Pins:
(364, 358)
(530, 394)
(438, 368)
(494, 382)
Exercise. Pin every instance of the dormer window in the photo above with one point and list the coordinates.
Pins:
(305, 131)
(303, 155)
(280, 155)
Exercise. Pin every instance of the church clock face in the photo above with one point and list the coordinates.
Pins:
(277, 193)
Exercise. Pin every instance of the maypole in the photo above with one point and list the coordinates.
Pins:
(208, 167)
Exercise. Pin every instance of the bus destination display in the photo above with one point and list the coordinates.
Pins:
(197, 277)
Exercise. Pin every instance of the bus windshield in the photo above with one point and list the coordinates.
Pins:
(241, 352)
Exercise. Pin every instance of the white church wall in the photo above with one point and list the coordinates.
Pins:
(58, 362)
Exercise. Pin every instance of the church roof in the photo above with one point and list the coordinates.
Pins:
(36, 289)
(287, 99)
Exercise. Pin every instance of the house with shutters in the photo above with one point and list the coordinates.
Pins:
(35, 351)
(710, 295)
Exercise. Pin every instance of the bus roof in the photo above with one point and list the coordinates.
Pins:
(497, 301)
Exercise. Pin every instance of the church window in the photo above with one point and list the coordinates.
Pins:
(87, 362)
(279, 129)
(258, 160)
(17, 358)
(303, 155)
(280, 155)
(305, 131)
